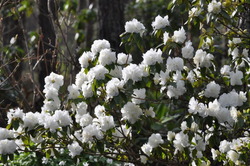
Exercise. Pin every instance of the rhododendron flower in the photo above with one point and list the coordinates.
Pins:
(74, 149)
(134, 26)
(214, 7)
(106, 57)
(133, 72)
(86, 58)
(155, 140)
(202, 59)
(160, 22)
(179, 36)
(99, 45)
(212, 90)
(131, 112)
(235, 78)
(188, 50)
(152, 56)
(124, 58)
(174, 64)
(165, 37)
(139, 96)
(7, 146)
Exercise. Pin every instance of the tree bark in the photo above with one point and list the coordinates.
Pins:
(111, 21)
(47, 44)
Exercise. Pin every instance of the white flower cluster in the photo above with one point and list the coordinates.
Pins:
(7, 146)
(231, 149)
(214, 7)
(131, 112)
(178, 36)
(224, 109)
(153, 141)
(202, 59)
(52, 84)
(134, 26)
(160, 22)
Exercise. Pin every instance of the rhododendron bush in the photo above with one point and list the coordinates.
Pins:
(186, 103)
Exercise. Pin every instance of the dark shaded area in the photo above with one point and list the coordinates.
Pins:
(47, 43)
(111, 21)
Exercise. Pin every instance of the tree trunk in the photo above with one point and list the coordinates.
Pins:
(47, 45)
(111, 21)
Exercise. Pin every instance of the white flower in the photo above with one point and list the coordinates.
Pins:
(113, 86)
(225, 70)
(155, 140)
(81, 77)
(194, 12)
(245, 52)
(116, 72)
(147, 149)
(62, 117)
(99, 111)
(184, 126)
(191, 76)
(214, 7)
(106, 57)
(106, 122)
(160, 22)
(133, 72)
(235, 53)
(176, 91)
(235, 78)
(87, 90)
(99, 45)
(30, 120)
(138, 96)
(74, 149)
(232, 99)
(179, 36)
(233, 156)
(181, 141)
(149, 112)
(165, 37)
(174, 64)
(84, 120)
(86, 58)
(7, 146)
(81, 108)
(212, 90)
(234, 113)
(53, 80)
(90, 131)
(188, 50)
(98, 72)
(122, 132)
(171, 135)
(131, 112)
(134, 26)
(124, 58)
(236, 40)
(5, 134)
(73, 91)
(194, 127)
(62, 163)
(14, 113)
(202, 59)
(224, 146)
(144, 159)
(13, 40)
(215, 153)
(152, 56)
(50, 122)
